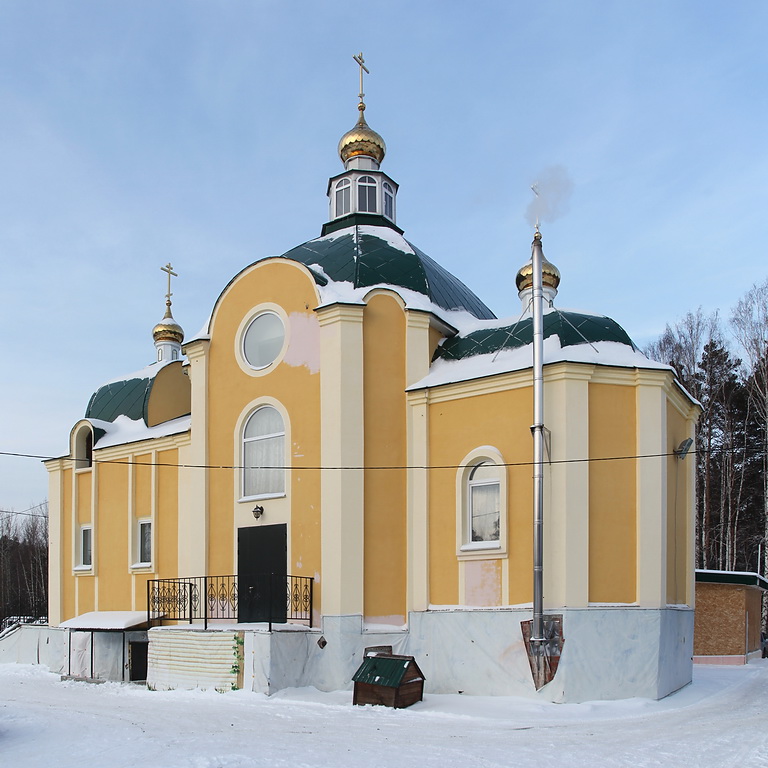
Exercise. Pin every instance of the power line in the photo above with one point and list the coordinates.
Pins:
(715, 451)
(26, 512)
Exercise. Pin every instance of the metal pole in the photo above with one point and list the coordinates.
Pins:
(270, 601)
(205, 602)
(537, 633)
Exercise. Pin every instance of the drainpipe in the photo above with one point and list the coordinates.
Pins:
(537, 629)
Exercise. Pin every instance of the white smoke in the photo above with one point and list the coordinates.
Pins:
(552, 195)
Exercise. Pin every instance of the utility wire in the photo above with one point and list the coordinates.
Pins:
(134, 462)
(26, 512)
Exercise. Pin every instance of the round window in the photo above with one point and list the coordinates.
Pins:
(263, 340)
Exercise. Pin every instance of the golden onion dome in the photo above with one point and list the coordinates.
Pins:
(168, 329)
(362, 140)
(550, 274)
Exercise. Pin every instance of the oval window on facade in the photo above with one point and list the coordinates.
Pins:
(263, 340)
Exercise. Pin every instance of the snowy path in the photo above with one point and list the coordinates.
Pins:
(721, 720)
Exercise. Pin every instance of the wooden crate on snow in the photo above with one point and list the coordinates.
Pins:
(389, 680)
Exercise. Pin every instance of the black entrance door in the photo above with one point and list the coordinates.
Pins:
(261, 572)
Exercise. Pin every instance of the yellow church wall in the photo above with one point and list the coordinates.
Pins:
(456, 428)
(293, 385)
(677, 506)
(85, 587)
(166, 525)
(83, 481)
(111, 542)
(435, 337)
(170, 396)
(385, 491)
(142, 479)
(612, 494)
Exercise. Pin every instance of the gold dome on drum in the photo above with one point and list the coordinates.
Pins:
(550, 274)
(362, 140)
(168, 329)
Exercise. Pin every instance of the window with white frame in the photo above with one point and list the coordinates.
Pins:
(144, 542)
(389, 201)
(366, 194)
(86, 546)
(483, 504)
(343, 197)
(264, 454)
(263, 340)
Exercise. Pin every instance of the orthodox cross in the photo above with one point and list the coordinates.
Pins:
(169, 269)
(535, 190)
(361, 63)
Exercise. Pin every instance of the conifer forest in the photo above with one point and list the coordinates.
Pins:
(723, 363)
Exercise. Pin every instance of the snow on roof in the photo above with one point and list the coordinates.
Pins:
(148, 372)
(106, 620)
(124, 430)
(344, 292)
(508, 360)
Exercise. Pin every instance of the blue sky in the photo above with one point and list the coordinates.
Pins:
(203, 133)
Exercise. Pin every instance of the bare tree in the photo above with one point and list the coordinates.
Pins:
(682, 347)
(24, 562)
(749, 323)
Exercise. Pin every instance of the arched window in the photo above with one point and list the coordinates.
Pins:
(366, 194)
(343, 202)
(84, 448)
(483, 503)
(264, 454)
(389, 201)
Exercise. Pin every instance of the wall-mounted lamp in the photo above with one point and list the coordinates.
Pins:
(682, 450)
(258, 511)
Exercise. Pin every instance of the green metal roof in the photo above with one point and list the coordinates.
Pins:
(121, 398)
(366, 259)
(383, 670)
(743, 578)
(571, 327)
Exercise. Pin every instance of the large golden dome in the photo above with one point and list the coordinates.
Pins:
(168, 329)
(550, 274)
(362, 140)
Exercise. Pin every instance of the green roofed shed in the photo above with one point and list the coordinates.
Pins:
(391, 680)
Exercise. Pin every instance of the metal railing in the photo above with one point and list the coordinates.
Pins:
(209, 598)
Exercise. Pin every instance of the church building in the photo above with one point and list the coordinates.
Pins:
(342, 459)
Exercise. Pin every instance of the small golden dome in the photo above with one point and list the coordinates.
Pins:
(168, 329)
(362, 140)
(550, 274)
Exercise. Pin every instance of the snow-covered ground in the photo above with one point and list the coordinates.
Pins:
(720, 720)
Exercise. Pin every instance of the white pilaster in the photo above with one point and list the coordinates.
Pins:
(566, 510)
(193, 483)
(651, 489)
(417, 426)
(341, 418)
(56, 542)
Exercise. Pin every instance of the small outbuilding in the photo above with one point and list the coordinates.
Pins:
(390, 680)
(728, 616)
